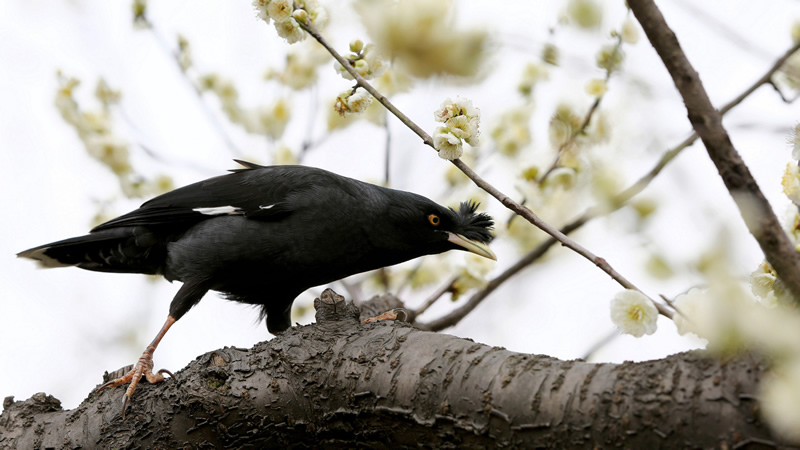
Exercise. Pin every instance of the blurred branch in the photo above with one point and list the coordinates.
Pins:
(448, 287)
(617, 202)
(174, 56)
(587, 118)
(505, 200)
(707, 122)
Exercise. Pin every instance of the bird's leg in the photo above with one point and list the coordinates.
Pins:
(394, 314)
(143, 367)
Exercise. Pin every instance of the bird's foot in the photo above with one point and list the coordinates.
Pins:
(394, 314)
(143, 367)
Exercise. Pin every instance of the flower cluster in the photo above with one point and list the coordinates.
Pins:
(511, 132)
(286, 17)
(95, 131)
(270, 121)
(352, 102)
(439, 46)
(365, 60)
(531, 75)
(461, 121)
(633, 313)
(473, 275)
(791, 182)
(301, 66)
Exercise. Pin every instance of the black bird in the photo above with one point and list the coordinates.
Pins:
(262, 235)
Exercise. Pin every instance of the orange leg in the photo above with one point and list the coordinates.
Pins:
(144, 367)
(394, 314)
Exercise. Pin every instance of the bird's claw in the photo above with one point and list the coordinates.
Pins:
(394, 314)
(143, 367)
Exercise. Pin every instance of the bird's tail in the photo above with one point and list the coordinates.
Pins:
(121, 250)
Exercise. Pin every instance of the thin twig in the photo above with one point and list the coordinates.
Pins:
(387, 151)
(587, 119)
(617, 202)
(707, 122)
(435, 296)
(210, 114)
(479, 181)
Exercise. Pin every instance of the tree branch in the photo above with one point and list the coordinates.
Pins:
(342, 384)
(507, 201)
(707, 122)
(617, 202)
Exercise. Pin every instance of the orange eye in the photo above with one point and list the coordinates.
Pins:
(434, 219)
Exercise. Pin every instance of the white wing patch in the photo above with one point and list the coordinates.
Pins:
(266, 206)
(219, 211)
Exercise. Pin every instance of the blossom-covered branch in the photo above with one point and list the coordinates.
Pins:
(507, 201)
(618, 201)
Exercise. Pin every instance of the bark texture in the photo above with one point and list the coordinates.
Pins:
(338, 383)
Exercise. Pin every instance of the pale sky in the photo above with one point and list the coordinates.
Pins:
(62, 328)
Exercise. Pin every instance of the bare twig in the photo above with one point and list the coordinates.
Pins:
(707, 122)
(587, 119)
(210, 114)
(448, 287)
(507, 201)
(617, 202)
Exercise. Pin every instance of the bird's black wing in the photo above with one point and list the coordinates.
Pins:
(256, 192)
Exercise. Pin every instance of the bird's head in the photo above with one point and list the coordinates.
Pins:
(431, 228)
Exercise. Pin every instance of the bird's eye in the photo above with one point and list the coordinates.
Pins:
(434, 219)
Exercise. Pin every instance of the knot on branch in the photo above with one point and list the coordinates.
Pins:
(331, 307)
(38, 403)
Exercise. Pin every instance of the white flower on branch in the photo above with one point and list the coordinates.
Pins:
(280, 10)
(290, 30)
(791, 183)
(461, 121)
(596, 88)
(447, 144)
(630, 31)
(368, 62)
(352, 102)
(633, 313)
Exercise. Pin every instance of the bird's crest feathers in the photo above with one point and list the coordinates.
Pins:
(474, 226)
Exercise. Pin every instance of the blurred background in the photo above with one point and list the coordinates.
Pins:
(177, 121)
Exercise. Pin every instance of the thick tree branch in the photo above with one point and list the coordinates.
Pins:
(339, 383)
(707, 122)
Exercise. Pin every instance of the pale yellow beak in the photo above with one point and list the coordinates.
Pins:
(479, 248)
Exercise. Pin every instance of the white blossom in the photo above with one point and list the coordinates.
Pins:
(280, 10)
(633, 313)
(596, 88)
(369, 64)
(290, 31)
(359, 101)
(458, 107)
(694, 307)
(762, 281)
(275, 117)
(791, 183)
(629, 32)
(780, 400)
(261, 9)
(461, 121)
(511, 132)
(448, 145)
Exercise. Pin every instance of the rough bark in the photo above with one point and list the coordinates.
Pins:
(707, 123)
(337, 383)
